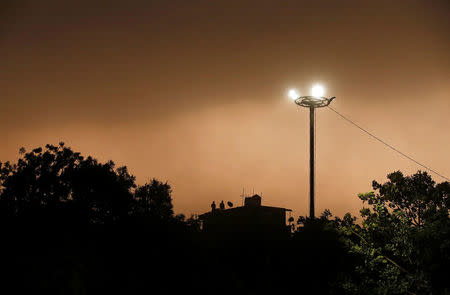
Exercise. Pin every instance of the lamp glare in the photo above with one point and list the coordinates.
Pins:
(293, 94)
(318, 91)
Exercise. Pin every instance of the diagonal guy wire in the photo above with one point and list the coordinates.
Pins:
(388, 145)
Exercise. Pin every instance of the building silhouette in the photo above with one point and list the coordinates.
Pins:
(253, 218)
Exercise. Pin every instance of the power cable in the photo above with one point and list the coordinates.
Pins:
(388, 145)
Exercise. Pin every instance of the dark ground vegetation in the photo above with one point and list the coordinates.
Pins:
(73, 225)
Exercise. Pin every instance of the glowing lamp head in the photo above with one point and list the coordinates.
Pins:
(293, 94)
(318, 91)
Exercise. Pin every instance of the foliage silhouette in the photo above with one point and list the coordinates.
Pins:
(73, 225)
(55, 179)
(403, 244)
(76, 225)
(153, 199)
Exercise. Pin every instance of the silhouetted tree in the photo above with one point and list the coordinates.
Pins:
(69, 222)
(193, 223)
(153, 200)
(57, 181)
(131, 241)
(403, 242)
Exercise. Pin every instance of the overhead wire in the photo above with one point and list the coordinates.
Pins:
(388, 145)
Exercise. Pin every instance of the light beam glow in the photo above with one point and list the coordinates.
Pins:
(293, 94)
(318, 90)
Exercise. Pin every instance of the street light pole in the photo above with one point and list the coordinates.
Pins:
(317, 100)
(311, 161)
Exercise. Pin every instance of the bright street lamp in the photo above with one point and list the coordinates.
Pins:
(317, 90)
(316, 100)
(293, 94)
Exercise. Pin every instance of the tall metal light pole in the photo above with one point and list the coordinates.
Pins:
(316, 100)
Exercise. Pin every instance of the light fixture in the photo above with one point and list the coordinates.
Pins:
(317, 91)
(293, 94)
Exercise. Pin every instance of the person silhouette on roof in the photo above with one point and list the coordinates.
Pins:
(213, 206)
(222, 205)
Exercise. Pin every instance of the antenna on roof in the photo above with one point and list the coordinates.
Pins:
(242, 197)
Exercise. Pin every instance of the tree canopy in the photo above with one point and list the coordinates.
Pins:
(403, 243)
(55, 180)
(130, 236)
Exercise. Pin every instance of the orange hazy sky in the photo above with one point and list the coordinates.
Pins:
(194, 92)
